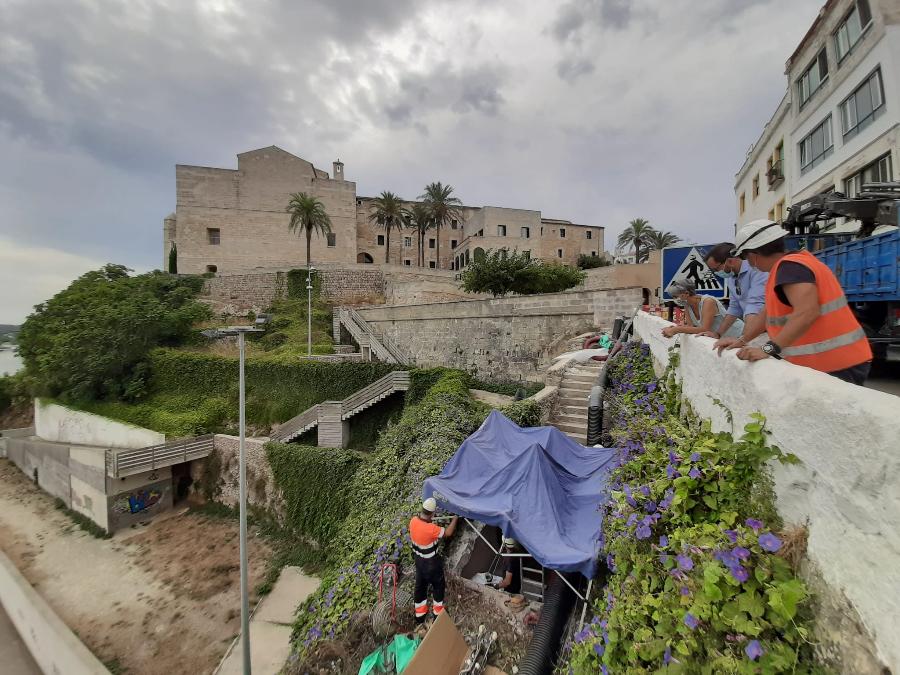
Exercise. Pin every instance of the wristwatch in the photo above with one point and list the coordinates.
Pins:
(772, 349)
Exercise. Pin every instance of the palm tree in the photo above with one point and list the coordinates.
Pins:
(636, 235)
(657, 240)
(444, 209)
(418, 218)
(308, 215)
(388, 212)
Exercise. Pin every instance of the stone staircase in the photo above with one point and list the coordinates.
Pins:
(571, 412)
(371, 342)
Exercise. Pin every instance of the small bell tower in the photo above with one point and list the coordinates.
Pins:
(338, 173)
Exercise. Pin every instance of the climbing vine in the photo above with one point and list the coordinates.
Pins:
(697, 579)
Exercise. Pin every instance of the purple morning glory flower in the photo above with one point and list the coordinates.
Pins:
(684, 562)
(611, 562)
(667, 656)
(727, 558)
(739, 573)
(651, 387)
(691, 621)
(315, 633)
(667, 502)
(754, 524)
(582, 636)
(632, 519)
(603, 670)
(741, 553)
(732, 536)
(650, 506)
(663, 541)
(694, 473)
(628, 497)
(672, 473)
(645, 491)
(599, 649)
(642, 531)
(663, 558)
(769, 542)
(753, 650)
(684, 590)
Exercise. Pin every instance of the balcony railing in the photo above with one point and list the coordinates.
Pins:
(775, 175)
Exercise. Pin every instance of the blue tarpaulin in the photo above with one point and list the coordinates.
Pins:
(536, 484)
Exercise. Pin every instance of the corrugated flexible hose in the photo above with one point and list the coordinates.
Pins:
(559, 600)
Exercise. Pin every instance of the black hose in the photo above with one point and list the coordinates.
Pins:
(617, 328)
(544, 646)
(595, 414)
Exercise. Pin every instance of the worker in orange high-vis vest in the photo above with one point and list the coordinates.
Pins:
(425, 536)
(807, 316)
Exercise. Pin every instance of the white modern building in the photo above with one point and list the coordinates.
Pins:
(839, 124)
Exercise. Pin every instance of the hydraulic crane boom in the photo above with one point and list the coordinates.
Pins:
(877, 204)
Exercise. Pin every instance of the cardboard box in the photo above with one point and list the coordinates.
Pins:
(442, 652)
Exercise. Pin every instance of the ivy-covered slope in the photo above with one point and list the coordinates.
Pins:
(698, 580)
(384, 493)
(195, 393)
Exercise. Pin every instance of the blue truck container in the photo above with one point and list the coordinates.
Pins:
(869, 272)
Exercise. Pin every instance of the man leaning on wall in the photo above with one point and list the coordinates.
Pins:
(747, 297)
(807, 315)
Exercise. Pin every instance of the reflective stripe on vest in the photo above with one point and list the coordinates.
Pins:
(832, 306)
(419, 529)
(835, 340)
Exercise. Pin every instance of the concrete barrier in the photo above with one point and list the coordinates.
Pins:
(54, 422)
(847, 489)
(52, 644)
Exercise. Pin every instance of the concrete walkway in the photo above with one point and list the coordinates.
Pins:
(270, 626)
(14, 655)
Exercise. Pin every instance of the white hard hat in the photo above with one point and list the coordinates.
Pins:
(509, 541)
(430, 505)
(756, 234)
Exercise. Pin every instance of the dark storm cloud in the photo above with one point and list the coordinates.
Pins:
(475, 89)
(575, 14)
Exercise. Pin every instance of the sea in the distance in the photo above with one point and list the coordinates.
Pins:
(9, 362)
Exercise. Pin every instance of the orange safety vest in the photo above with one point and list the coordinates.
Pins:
(835, 340)
(424, 537)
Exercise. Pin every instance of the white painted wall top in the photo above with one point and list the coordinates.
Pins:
(54, 422)
(848, 485)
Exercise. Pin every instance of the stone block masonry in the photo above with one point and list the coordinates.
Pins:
(345, 284)
(505, 338)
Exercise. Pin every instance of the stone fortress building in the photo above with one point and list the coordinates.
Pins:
(229, 220)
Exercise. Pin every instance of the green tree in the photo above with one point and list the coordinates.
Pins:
(92, 340)
(307, 216)
(418, 218)
(173, 259)
(444, 209)
(501, 272)
(387, 212)
(657, 240)
(589, 262)
(636, 236)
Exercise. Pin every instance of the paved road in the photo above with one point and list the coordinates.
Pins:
(13, 653)
(885, 377)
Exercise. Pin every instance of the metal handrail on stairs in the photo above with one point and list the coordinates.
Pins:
(358, 401)
(122, 463)
(381, 344)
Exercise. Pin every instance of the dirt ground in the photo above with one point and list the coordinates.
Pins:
(160, 598)
(468, 606)
(17, 416)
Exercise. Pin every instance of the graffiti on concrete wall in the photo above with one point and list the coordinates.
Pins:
(138, 501)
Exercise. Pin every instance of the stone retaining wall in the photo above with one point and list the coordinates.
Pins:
(237, 294)
(504, 338)
(846, 490)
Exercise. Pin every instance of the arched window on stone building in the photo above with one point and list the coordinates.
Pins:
(364, 258)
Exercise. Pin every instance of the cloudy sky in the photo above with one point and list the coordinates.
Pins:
(597, 111)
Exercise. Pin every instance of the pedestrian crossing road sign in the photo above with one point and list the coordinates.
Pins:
(686, 263)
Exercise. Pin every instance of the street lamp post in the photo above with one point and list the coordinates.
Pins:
(241, 331)
(309, 272)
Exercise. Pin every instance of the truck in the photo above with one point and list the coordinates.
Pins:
(866, 262)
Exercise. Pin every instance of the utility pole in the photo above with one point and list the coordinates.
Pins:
(241, 331)
(309, 289)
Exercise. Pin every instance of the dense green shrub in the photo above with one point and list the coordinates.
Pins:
(194, 392)
(91, 340)
(589, 262)
(695, 582)
(314, 483)
(501, 272)
(422, 379)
